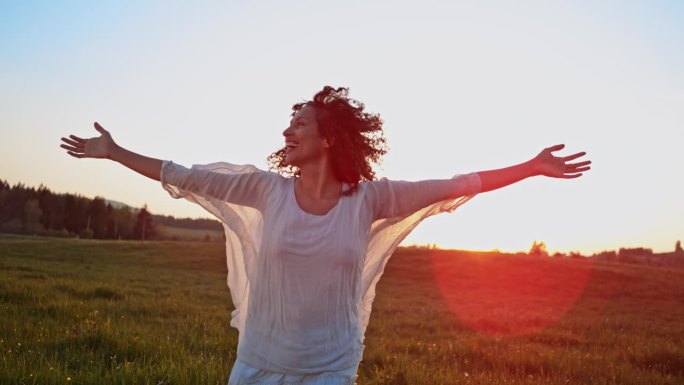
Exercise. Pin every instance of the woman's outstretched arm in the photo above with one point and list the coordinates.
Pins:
(104, 147)
(397, 198)
(543, 164)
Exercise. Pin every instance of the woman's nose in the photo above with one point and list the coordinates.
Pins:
(287, 131)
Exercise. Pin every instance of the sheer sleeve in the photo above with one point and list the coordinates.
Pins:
(392, 199)
(237, 195)
(240, 184)
(397, 208)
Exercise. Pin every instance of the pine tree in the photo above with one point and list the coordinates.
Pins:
(144, 227)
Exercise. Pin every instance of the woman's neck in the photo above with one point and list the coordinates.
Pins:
(318, 181)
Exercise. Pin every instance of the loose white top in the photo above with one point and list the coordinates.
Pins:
(303, 284)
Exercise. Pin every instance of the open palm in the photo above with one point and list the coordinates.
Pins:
(559, 167)
(99, 147)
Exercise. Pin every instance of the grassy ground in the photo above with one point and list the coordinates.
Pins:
(183, 234)
(98, 312)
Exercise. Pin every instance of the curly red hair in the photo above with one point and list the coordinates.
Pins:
(356, 136)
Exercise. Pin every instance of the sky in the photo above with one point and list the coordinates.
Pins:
(461, 86)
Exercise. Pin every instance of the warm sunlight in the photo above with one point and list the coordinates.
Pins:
(341, 192)
(461, 87)
(509, 295)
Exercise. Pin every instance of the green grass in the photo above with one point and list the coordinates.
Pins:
(116, 312)
(183, 234)
(101, 312)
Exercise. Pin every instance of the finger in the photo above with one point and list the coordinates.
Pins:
(71, 142)
(99, 128)
(70, 148)
(574, 156)
(571, 176)
(76, 138)
(581, 169)
(556, 147)
(579, 164)
(75, 155)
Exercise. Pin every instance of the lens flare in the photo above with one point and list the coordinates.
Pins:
(509, 295)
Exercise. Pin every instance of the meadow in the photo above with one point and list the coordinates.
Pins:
(121, 312)
(185, 234)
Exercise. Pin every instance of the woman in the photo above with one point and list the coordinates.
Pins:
(306, 250)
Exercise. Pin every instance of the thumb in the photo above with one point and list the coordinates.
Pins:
(100, 129)
(555, 148)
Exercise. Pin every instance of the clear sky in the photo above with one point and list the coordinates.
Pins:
(462, 86)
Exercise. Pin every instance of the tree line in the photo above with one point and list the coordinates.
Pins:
(39, 211)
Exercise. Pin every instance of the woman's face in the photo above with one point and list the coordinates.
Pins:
(303, 141)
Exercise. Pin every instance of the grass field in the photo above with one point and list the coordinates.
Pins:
(113, 312)
(183, 234)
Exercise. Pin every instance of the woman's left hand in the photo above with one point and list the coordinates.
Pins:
(559, 167)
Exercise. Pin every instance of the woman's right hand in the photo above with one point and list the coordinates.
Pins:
(104, 147)
(100, 147)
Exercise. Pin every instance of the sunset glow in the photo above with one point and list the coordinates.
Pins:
(503, 297)
(461, 87)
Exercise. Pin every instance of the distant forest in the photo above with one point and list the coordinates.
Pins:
(27, 210)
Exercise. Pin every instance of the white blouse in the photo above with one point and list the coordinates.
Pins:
(303, 284)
